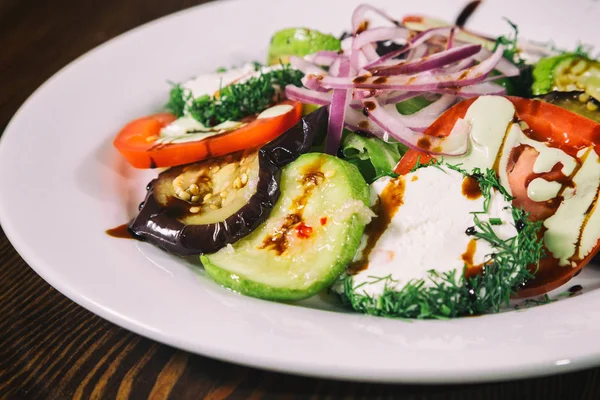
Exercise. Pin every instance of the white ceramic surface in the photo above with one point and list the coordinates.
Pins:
(62, 185)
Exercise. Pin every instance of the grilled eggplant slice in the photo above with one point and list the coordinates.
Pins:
(201, 207)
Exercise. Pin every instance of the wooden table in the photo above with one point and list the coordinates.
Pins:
(50, 348)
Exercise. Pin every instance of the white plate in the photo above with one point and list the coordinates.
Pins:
(62, 185)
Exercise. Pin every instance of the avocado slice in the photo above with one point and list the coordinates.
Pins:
(311, 236)
(299, 42)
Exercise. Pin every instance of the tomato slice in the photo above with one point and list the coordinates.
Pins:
(136, 141)
(551, 124)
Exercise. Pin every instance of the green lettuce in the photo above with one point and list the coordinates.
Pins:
(373, 157)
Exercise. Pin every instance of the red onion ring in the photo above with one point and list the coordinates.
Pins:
(417, 82)
(437, 60)
(305, 66)
(453, 145)
(358, 16)
(337, 111)
(307, 96)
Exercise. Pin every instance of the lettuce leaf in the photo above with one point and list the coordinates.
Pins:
(373, 157)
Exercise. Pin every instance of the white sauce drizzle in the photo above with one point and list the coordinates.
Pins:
(489, 116)
(548, 156)
(541, 190)
(565, 225)
(493, 136)
(179, 131)
(590, 232)
(275, 111)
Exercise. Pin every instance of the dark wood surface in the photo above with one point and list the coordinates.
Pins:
(50, 348)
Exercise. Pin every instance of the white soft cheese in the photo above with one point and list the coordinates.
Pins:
(428, 230)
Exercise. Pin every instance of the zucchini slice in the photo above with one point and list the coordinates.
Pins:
(311, 236)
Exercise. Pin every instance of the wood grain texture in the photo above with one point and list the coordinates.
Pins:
(50, 348)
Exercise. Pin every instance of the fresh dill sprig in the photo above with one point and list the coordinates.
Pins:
(237, 101)
(528, 303)
(178, 98)
(431, 163)
(511, 50)
(488, 182)
(451, 294)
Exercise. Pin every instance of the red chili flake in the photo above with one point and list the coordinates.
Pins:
(323, 220)
(304, 231)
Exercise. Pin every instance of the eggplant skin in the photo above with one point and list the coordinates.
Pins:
(153, 223)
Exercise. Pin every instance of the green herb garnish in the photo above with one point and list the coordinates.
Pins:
(235, 101)
(511, 47)
(431, 163)
(178, 98)
(450, 294)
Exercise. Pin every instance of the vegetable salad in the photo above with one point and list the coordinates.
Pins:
(414, 168)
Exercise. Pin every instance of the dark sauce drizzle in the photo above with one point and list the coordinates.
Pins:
(575, 289)
(278, 241)
(466, 13)
(470, 188)
(389, 201)
(120, 232)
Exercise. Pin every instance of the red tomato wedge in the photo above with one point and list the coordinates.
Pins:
(556, 127)
(136, 141)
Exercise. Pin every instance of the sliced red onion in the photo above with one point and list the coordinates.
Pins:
(504, 66)
(334, 69)
(418, 82)
(324, 57)
(307, 96)
(305, 66)
(387, 118)
(363, 94)
(313, 82)
(371, 36)
(337, 111)
(356, 105)
(417, 41)
(450, 43)
(387, 57)
(398, 97)
(356, 121)
(358, 16)
(423, 118)
(459, 66)
(360, 60)
(480, 89)
(417, 52)
(428, 34)
(437, 60)
(378, 35)
(370, 53)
